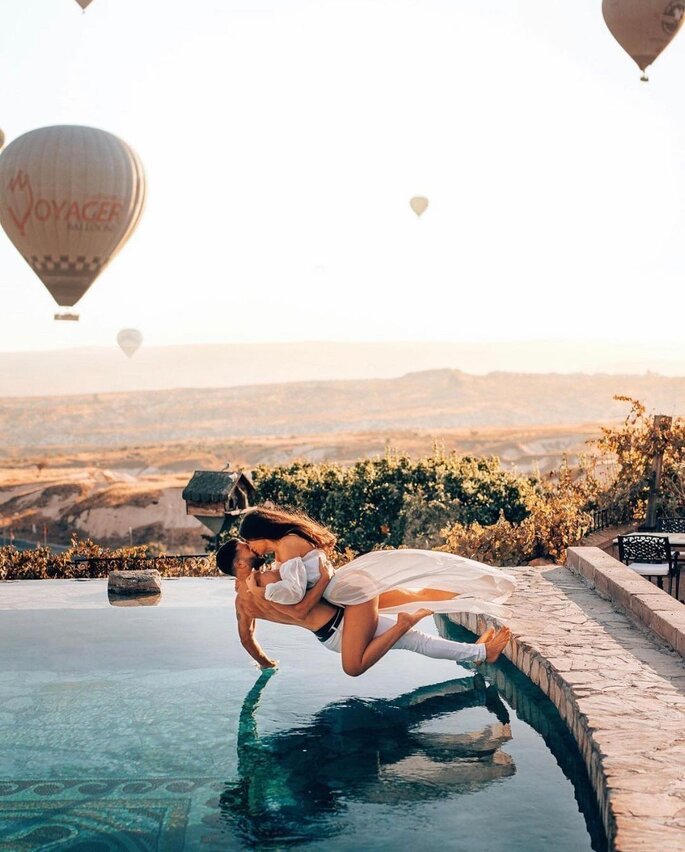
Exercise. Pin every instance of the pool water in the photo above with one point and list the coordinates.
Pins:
(149, 728)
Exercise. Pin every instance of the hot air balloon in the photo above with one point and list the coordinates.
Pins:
(84, 4)
(418, 204)
(129, 339)
(643, 28)
(70, 197)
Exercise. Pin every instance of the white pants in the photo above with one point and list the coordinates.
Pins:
(419, 642)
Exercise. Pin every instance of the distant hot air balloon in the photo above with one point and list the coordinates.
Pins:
(129, 339)
(643, 28)
(70, 197)
(84, 4)
(418, 204)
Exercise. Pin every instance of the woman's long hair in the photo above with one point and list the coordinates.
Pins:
(273, 523)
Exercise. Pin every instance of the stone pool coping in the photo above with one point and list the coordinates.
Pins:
(647, 604)
(620, 692)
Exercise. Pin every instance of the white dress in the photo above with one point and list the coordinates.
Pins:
(479, 587)
(297, 575)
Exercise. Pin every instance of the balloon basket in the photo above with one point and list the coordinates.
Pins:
(67, 317)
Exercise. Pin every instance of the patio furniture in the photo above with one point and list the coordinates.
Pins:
(670, 525)
(651, 556)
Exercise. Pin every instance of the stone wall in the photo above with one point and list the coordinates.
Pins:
(653, 608)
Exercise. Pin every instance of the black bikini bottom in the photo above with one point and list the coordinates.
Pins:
(324, 633)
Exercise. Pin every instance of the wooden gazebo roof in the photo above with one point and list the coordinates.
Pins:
(211, 486)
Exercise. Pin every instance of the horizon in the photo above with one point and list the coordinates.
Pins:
(91, 369)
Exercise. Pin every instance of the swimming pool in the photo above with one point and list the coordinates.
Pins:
(149, 728)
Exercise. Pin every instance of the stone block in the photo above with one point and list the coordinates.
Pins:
(534, 674)
(642, 605)
(147, 581)
(544, 680)
(662, 623)
(680, 643)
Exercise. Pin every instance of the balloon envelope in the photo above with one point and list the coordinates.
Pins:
(84, 3)
(129, 339)
(418, 204)
(70, 197)
(643, 28)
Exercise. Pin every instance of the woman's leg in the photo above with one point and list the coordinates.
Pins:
(433, 646)
(361, 646)
(399, 597)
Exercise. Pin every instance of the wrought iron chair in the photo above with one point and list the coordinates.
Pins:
(651, 556)
(671, 525)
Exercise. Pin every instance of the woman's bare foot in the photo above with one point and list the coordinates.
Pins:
(495, 645)
(409, 619)
(486, 636)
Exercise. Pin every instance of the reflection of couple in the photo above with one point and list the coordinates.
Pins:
(342, 608)
(292, 782)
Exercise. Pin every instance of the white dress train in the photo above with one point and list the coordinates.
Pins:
(479, 587)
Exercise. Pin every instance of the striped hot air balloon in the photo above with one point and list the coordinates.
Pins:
(70, 197)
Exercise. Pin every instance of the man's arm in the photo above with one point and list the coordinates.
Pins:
(313, 596)
(246, 632)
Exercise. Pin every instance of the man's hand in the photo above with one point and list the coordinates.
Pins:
(252, 587)
(268, 664)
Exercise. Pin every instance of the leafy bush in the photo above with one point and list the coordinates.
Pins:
(388, 502)
(557, 519)
(42, 564)
(621, 466)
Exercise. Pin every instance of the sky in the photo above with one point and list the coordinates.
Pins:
(283, 139)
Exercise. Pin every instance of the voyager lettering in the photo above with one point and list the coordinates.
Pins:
(94, 214)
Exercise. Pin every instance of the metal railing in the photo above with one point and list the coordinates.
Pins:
(181, 565)
(602, 519)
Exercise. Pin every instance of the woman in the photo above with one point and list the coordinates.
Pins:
(412, 583)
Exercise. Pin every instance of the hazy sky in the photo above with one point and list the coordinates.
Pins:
(282, 140)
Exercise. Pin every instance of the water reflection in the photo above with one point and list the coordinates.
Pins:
(535, 709)
(133, 600)
(291, 783)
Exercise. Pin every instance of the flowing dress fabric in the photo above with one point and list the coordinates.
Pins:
(480, 588)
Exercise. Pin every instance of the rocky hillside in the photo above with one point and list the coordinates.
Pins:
(431, 400)
(110, 507)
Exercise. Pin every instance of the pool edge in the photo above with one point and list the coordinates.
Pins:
(545, 628)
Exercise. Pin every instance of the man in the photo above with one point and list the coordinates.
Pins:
(237, 560)
(325, 620)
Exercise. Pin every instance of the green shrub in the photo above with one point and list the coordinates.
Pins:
(41, 563)
(384, 502)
